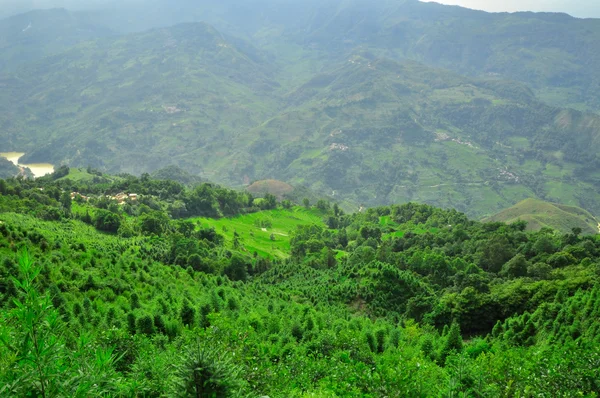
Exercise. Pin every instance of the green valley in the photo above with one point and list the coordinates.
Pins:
(369, 120)
(298, 199)
(367, 131)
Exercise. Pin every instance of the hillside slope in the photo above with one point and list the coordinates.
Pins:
(539, 214)
(367, 130)
(376, 131)
(555, 54)
(326, 99)
(139, 102)
(123, 300)
(33, 35)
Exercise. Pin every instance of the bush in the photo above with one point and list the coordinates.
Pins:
(204, 372)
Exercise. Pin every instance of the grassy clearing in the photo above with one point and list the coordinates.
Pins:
(540, 214)
(255, 230)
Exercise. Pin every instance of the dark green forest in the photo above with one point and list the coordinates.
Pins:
(103, 293)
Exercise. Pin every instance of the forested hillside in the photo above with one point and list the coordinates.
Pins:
(555, 54)
(279, 199)
(365, 103)
(8, 169)
(366, 130)
(127, 286)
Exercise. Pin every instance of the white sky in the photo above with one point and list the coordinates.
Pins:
(577, 8)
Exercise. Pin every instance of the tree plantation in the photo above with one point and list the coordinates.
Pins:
(201, 291)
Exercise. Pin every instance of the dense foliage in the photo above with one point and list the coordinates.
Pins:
(395, 301)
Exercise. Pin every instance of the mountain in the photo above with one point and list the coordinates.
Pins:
(28, 37)
(555, 54)
(539, 214)
(375, 131)
(366, 130)
(366, 104)
(137, 103)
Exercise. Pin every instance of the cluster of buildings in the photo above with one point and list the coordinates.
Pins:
(120, 198)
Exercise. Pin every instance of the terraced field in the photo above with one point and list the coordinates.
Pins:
(266, 233)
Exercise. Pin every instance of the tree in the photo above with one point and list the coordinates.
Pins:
(39, 362)
(453, 343)
(516, 267)
(543, 245)
(336, 210)
(269, 202)
(145, 325)
(188, 314)
(322, 205)
(154, 223)
(306, 202)
(494, 253)
(237, 269)
(540, 270)
(206, 372)
(107, 221)
(65, 201)
(198, 264)
(202, 201)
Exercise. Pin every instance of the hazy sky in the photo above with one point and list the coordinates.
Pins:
(577, 8)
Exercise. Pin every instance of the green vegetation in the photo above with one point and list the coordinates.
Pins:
(105, 299)
(539, 214)
(162, 284)
(356, 111)
(7, 168)
(266, 233)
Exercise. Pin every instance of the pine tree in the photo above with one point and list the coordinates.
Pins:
(187, 313)
(453, 343)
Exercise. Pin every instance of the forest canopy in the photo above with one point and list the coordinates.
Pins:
(141, 296)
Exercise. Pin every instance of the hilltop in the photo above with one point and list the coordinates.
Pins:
(539, 214)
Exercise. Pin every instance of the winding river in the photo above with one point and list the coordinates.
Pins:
(38, 169)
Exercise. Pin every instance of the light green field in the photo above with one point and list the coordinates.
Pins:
(257, 238)
(78, 174)
(539, 214)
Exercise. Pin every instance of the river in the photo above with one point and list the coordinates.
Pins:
(38, 169)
